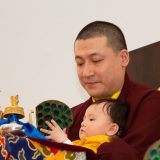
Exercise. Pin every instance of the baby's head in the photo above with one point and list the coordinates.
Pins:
(105, 117)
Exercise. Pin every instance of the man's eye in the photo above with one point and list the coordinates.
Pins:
(97, 60)
(79, 64)
(92, 119)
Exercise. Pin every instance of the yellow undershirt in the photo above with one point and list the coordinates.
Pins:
(92, 142)
(114, 96)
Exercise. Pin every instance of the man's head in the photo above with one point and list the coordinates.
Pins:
(114, 35)
(105, 117)
(102, 57)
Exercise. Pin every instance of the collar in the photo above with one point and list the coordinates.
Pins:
(114, 96)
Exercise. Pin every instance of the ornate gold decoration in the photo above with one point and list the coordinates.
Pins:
(14, 108)
(1, 114)
(30, 116)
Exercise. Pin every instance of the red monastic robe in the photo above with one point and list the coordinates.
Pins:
(142, 127)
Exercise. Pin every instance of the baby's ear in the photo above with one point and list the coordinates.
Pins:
(112, 130)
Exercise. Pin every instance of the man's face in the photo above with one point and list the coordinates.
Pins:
(100, 70)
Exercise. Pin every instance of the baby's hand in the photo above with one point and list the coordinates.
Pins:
(56, 133)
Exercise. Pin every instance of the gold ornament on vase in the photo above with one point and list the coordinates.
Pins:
(14, 108)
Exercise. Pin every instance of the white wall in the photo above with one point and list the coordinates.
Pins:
(36, 43)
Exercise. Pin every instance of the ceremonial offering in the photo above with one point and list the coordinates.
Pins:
(53, 109)
(14, 108)
(10, 118)
(10, 121)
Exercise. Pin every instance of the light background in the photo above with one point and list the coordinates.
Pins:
(36, 44)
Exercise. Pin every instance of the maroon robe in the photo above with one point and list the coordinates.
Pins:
(142, 126)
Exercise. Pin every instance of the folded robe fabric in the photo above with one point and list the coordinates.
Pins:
(19, 146)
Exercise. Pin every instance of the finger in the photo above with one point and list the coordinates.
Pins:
(48, 137)
(50, 125)
(55, 123)
(45, 130)
(64, 130)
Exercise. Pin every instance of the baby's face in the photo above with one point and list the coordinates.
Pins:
(96, 121)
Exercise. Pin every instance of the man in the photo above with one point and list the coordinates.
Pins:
(101, 56)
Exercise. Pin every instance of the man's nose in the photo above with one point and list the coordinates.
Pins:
(88, 70)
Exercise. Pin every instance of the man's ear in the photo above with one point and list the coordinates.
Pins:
(124, 55)
(112, 130)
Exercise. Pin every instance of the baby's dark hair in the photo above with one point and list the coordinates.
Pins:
(118, 111)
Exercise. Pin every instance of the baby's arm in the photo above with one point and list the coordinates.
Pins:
(56, 134)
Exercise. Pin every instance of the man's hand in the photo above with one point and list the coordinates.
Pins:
(56, 133)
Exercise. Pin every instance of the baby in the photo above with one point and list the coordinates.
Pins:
(103, 120)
